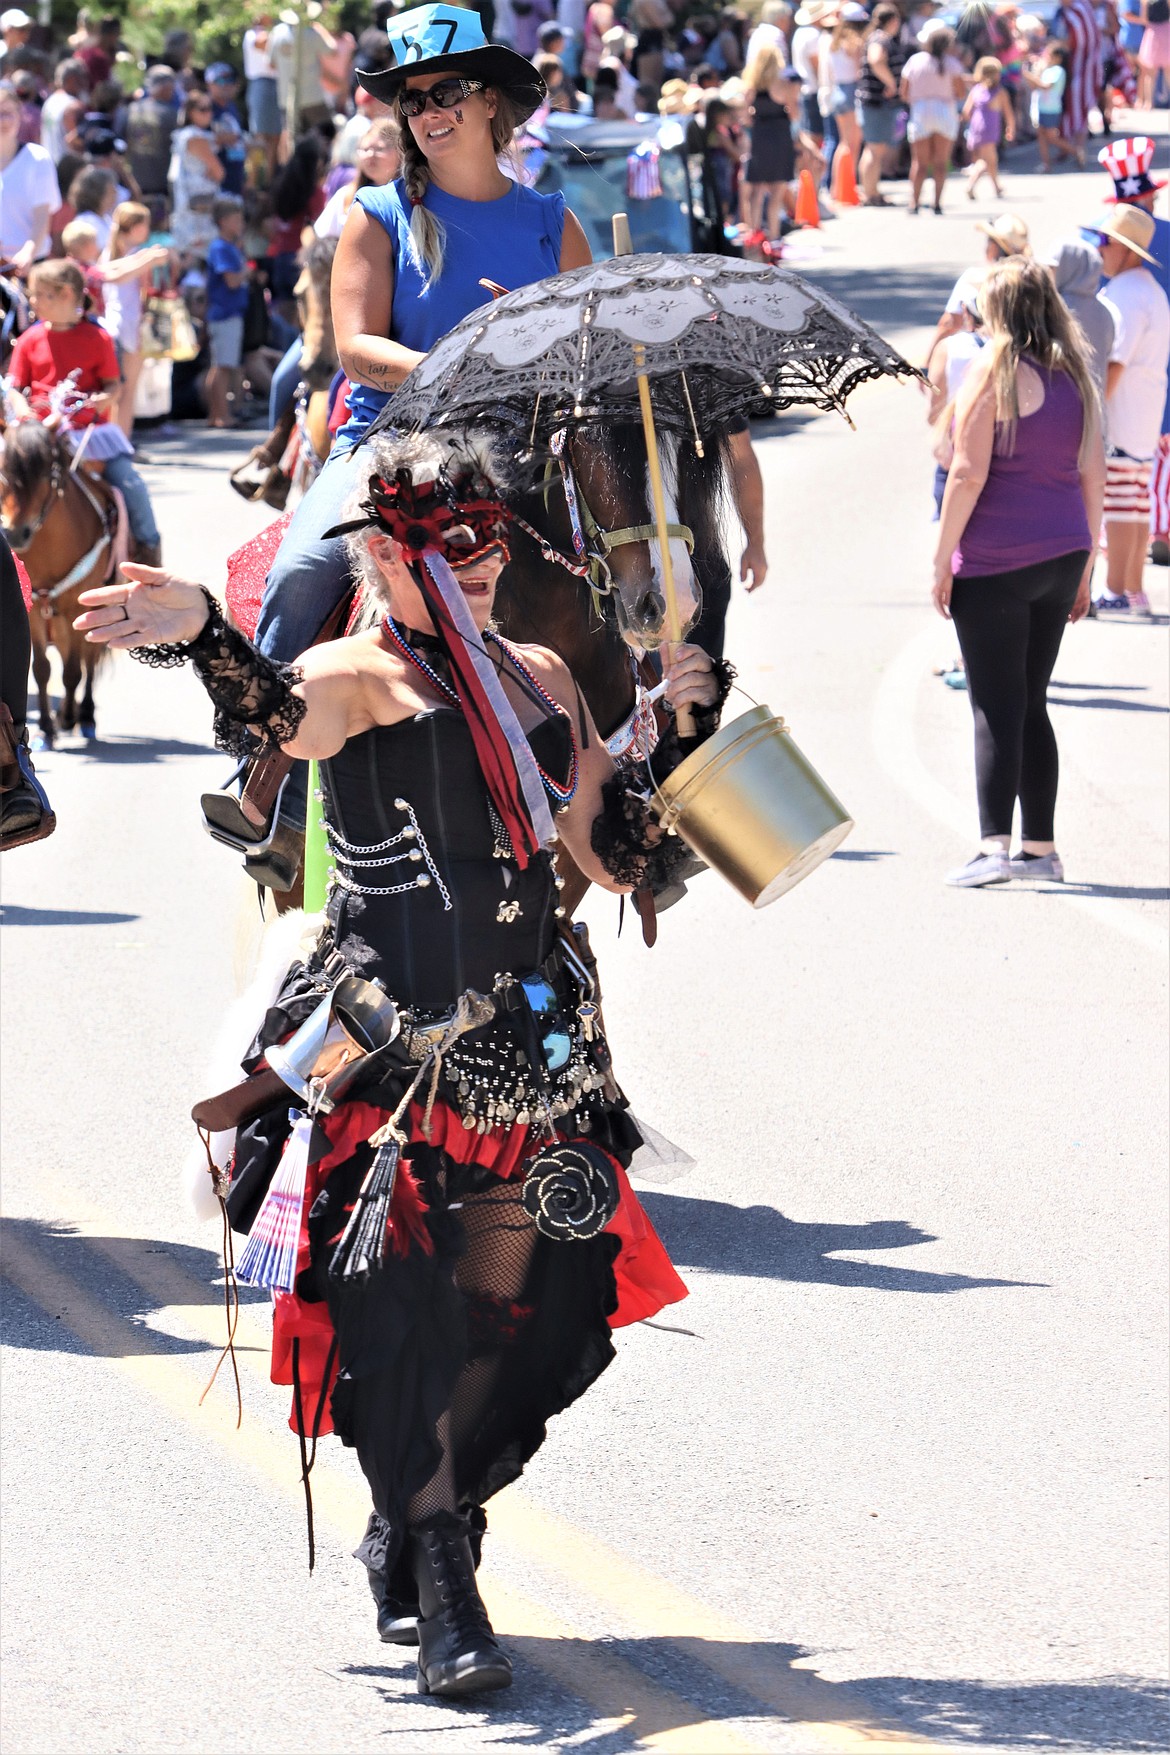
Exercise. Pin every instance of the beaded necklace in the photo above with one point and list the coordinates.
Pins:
(560, 795)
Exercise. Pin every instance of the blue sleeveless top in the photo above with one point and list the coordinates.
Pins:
(514, 240)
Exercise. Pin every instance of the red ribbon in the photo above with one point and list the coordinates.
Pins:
(492, 749)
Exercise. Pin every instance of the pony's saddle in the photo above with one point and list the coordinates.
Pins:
(110, 507)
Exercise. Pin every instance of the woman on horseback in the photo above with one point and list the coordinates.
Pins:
(411, 262)
(504, 1247)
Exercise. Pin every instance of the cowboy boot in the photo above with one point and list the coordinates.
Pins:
(259, 476)
(458, 1652)
(25, 812)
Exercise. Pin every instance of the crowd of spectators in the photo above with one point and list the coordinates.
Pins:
(154, 178)
(243, 159)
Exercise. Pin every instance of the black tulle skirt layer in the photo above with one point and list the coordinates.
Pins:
(443, 1368)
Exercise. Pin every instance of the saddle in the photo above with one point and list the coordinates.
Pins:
(114, 536)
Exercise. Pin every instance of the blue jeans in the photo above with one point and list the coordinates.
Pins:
(121, 473)
(307, 581)
(285, 379)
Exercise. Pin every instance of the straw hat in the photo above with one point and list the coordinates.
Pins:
(817, 12)
(675, 98)
(1131, 226)
(1009, 231)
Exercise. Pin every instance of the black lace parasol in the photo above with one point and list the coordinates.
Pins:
(722, 339)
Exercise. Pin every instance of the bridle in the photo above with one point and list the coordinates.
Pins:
(55, 487)
(592, 543)
(44, 596)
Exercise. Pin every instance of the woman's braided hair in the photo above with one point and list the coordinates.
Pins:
(427, 233)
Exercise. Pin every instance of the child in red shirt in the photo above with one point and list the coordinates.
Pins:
(63, 345)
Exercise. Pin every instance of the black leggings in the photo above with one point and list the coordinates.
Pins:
(1010, 626)
(15, 640)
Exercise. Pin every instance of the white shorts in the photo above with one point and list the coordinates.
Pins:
(933, 116)
(225, 337)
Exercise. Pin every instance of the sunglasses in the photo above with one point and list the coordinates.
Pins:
(444, 95)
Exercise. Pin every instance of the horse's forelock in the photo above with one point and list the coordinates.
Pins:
(699, 484)
(29, 449)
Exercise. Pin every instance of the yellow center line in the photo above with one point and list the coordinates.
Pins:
(654, 1717)
(831, 1715)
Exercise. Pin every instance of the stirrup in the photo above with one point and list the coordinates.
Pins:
(224, 820)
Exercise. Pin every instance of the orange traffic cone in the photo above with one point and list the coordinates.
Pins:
(844, 185)
(807, 209)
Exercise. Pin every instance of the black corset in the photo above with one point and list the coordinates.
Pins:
(412, 797)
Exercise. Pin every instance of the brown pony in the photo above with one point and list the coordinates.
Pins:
(61, 524)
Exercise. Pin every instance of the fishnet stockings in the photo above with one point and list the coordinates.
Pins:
(492, 1272)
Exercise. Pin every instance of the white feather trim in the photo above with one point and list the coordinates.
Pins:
(287, 940)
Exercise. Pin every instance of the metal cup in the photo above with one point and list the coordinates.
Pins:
(317, 1063)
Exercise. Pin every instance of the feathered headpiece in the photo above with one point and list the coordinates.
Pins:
(441, 523)
(438, 515)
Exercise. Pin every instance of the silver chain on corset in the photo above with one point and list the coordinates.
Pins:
(364, 856)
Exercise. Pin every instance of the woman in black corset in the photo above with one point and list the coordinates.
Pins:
(505, 1268)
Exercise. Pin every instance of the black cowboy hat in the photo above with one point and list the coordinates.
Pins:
(450, 39)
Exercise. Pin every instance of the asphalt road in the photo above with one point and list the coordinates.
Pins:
(894, 1475)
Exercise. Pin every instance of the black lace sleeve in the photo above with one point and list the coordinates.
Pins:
(626, 835)
(252, 695)
(627, 839)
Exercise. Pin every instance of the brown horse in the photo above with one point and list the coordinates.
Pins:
(62, 525)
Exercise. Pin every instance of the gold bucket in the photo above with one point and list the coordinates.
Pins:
(754, 807)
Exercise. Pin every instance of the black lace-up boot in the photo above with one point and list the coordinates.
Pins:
(458, 1652)
(397, 1620)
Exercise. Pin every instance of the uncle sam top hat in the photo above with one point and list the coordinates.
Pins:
(450, 39)
(1128, 163)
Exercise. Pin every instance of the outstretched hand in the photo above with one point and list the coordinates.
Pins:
(148, 608)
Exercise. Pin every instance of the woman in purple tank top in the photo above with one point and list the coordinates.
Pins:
(1017, 536)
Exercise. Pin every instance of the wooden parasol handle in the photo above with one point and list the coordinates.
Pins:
(623, 246)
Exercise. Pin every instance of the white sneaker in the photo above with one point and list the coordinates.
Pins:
(1038, 865)
(985, 868)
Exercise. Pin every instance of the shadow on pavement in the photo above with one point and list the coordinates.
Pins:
(1109, 688)
(902, 298)
(1100, 1716)
(760, 1243)
(117, 748)
(868, 854)
(1102, 1713)
(109, 750)
(1114, 892)
(26, 1244)
(13, 915)
(1112, 702)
